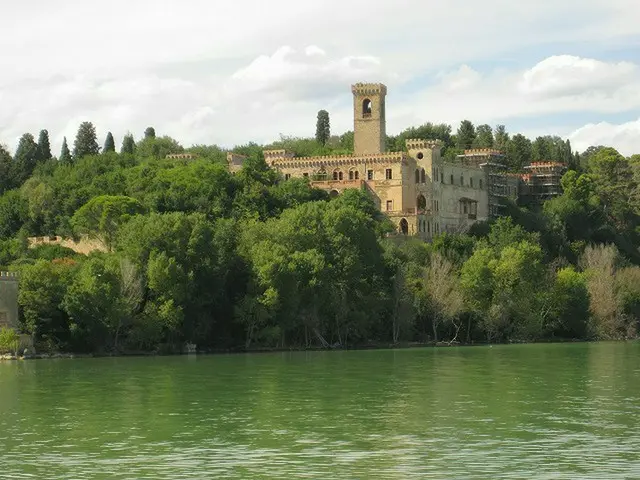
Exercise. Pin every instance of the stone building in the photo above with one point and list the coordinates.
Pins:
(542, 181)
(8, 300)
(420, 192)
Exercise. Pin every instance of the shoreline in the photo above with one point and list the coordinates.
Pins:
(239, 351)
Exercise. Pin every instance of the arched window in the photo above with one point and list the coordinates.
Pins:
(417, 176)
(366, 107)
(404, 226)
(421, 202)
(423, 176)
(350, 174)
(337, 175)
(356, 175)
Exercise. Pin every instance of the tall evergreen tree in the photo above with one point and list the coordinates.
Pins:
(465, 135)
(128, 144)
(25, 159)
(519, 151)
(44, 147)
(501, 138)
(150, 132)
(323, 128)
(6, 164)
(484, 137)
(109, 144)
(86, 142)
(65, 154)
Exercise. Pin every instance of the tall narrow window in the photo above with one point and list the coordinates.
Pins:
(287, 176)
(366, 107)
(369, 174)
(452, 179)
(389, 205)
(461, 181)
(388, 174)
(417, 176)
(471, 182)
(423, 176)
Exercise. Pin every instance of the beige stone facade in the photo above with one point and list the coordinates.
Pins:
(421, 193)
(84, 245)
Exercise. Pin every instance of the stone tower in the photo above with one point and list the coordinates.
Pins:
(369, 122)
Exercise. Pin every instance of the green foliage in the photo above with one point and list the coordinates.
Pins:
(150, 132)
(323, 128)
(86, 142)
(195, 254)
(9, 340)
(128, 145)
(102, 216)
(25, 159)
(466, 135)
(153, 147)
(65, 154)
(109, 144)
(44, 147)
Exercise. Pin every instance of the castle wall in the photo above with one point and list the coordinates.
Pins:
(9, 300)
(83, 246)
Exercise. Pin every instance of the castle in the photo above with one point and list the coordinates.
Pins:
(422, 194)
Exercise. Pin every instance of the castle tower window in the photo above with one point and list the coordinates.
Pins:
(441, 177)
(417, 176)
(420, 155)
(471, 182)
(423, 176)
(356, 175)
(388, 174)
(287, 176)
(369, 174)
(305, 174)
(452, 179)
(337, 175)
(421, 202)
(389, 205)
(366, 108)
(461, 180)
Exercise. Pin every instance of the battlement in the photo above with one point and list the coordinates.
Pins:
(419, 144)
(181, 156)
(9, 276)
(483, 151)
(369, 89)
(277, 154)
(546, 165)
(389, 157)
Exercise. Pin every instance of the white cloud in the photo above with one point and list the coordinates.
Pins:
(625, 137)
(233, 72)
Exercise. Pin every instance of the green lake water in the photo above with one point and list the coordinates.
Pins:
(522, 411)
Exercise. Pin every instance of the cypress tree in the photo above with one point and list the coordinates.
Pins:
(25, 159)
(466, 135)
(150, 132)
(323, 128)
(44, 147)
(86, 141)
(128, 144)
(65, 154)
(109, 144)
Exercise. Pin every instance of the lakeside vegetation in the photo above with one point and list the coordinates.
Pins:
(197, 255)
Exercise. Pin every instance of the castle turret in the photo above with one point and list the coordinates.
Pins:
(369, 120)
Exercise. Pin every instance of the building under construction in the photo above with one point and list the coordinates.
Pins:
(542, 181)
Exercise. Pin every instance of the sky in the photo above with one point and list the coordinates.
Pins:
(227, 73)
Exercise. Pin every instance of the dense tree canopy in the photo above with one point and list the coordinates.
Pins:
(196, 254)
